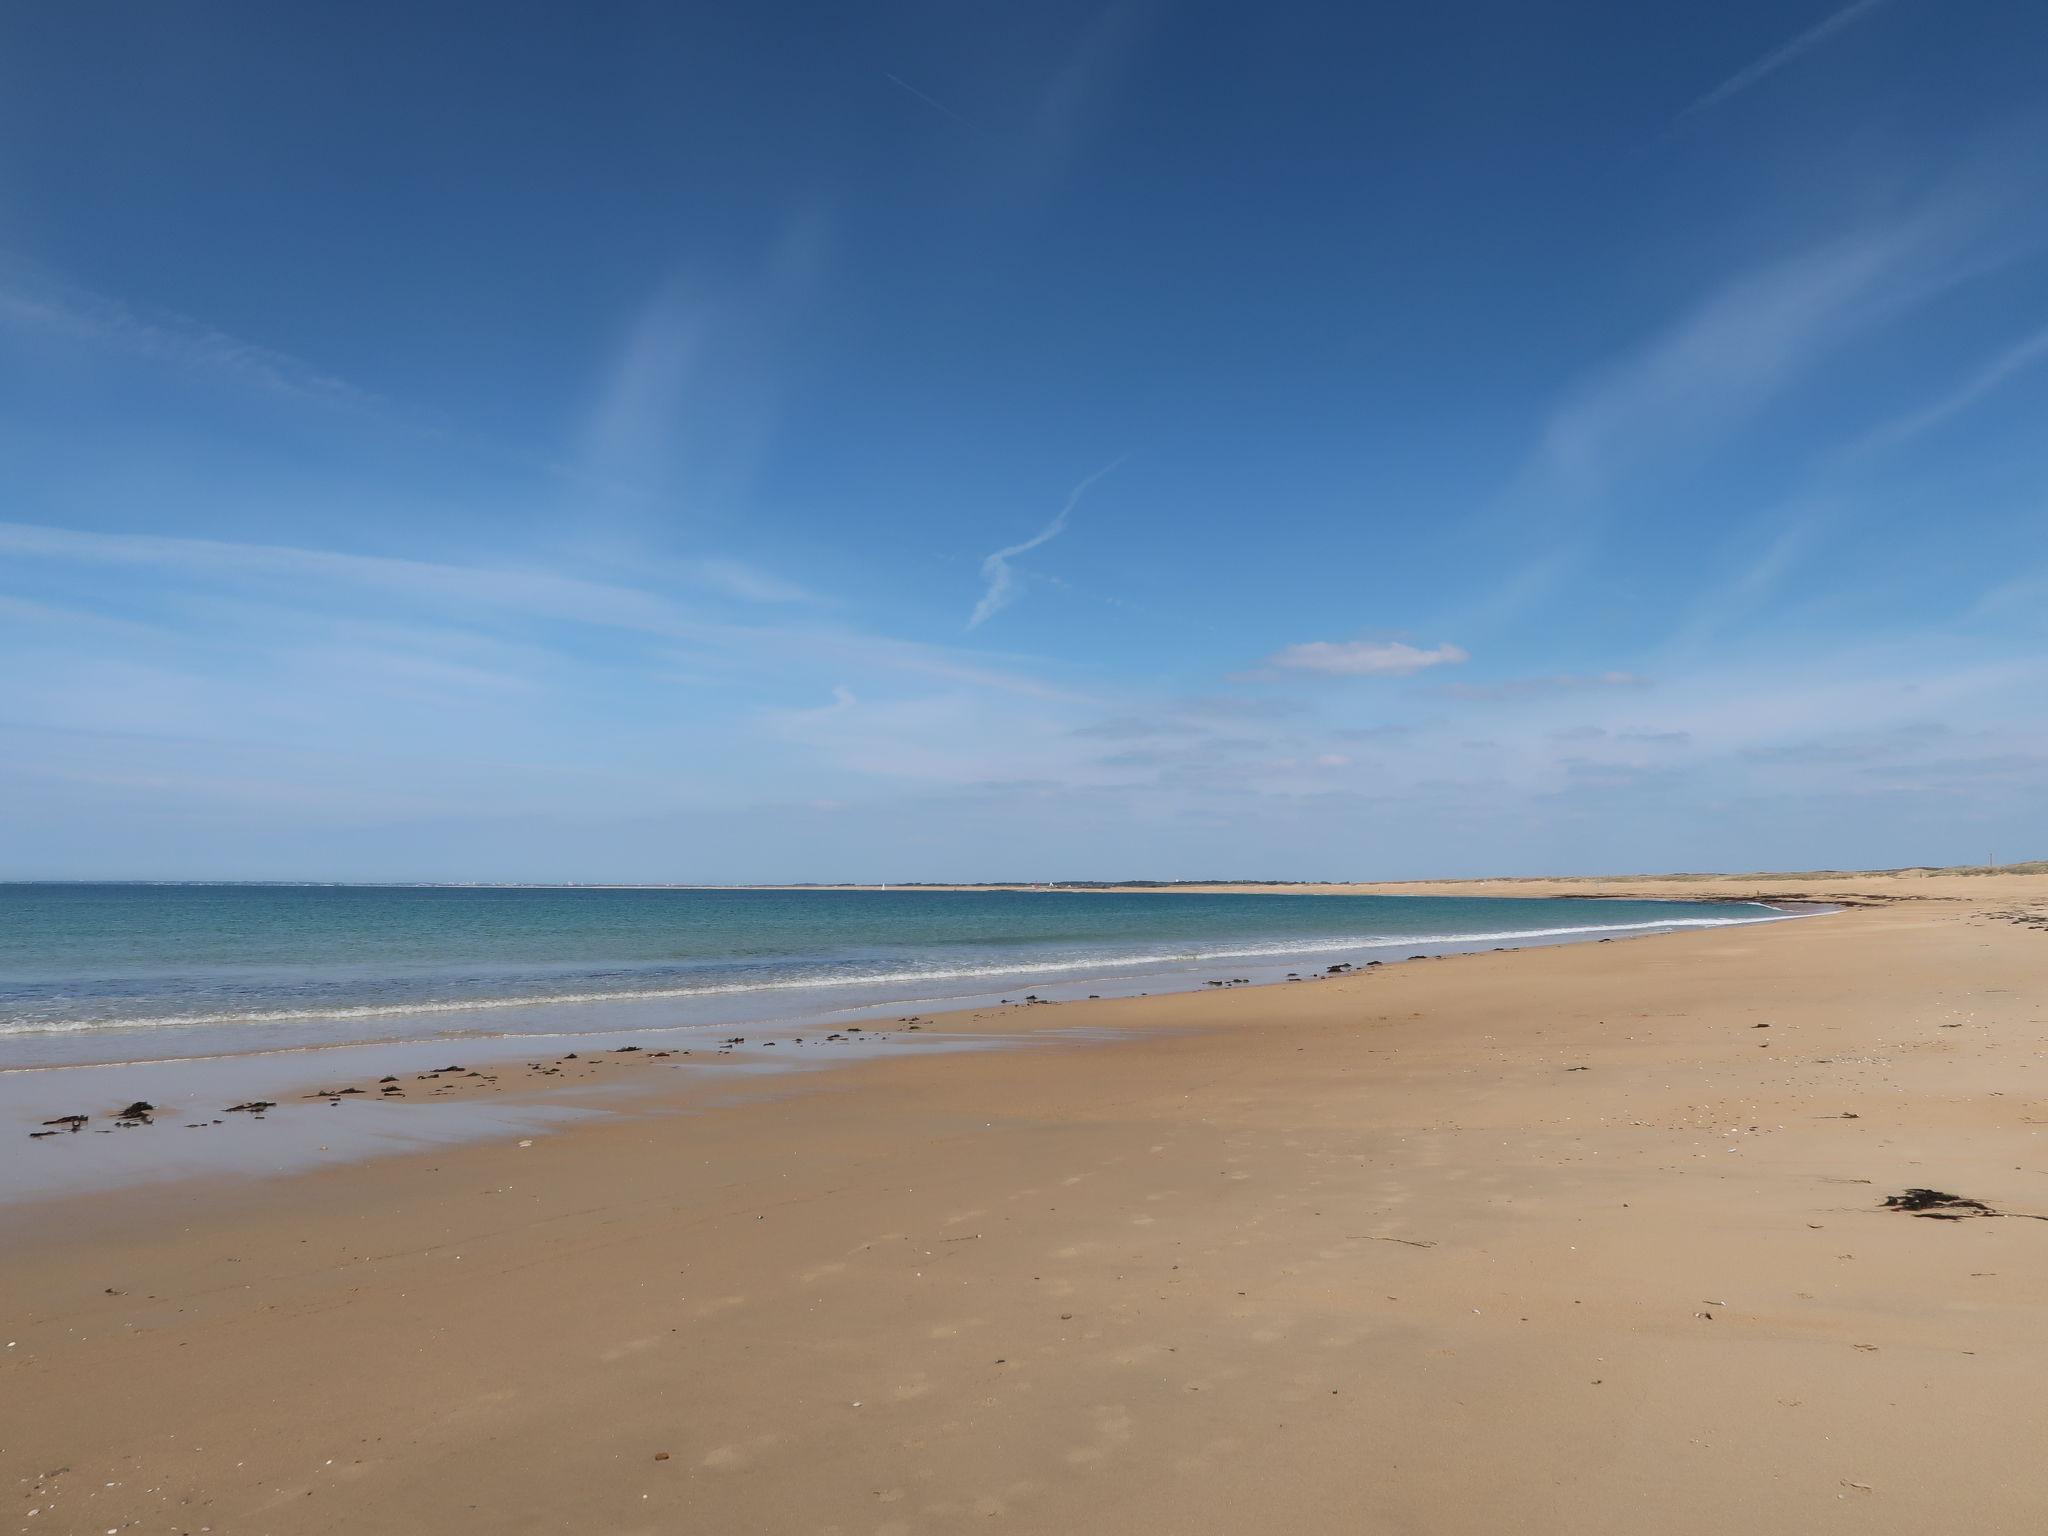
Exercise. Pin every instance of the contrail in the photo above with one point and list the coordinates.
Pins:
(995, 570)
(1779, 57)
(937, 106)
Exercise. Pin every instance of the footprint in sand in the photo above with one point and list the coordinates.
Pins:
(992, 1506)
(1111, 1428)
(1221, 1449)
(730, 1458)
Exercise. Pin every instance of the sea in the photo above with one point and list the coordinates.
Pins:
(153, 972)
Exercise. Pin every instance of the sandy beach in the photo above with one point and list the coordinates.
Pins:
(1586, 1239)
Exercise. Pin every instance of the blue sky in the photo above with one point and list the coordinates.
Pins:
(980, 440)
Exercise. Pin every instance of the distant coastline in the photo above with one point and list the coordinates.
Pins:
(1596, 886)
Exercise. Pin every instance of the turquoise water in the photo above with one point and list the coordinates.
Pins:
(126, 972)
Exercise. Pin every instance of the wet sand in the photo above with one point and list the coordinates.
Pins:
(1585, 1239)
(271, 1112)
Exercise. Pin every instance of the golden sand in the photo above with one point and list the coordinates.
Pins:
(1574, 1240)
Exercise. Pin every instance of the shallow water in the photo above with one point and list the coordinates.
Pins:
(137, 972)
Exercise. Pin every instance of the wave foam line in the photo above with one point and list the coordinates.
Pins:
(884, 978)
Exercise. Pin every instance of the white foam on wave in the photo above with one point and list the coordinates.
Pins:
(1071, 964)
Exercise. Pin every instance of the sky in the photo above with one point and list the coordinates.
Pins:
(1021, 439)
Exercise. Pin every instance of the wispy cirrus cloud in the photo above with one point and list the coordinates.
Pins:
(1847, 747)
(749, 583)
(1761, 69)
(538, 593)
(1652, 415)
(1365, 658)
(1722, 361)
(2025, 595)
(955, 737)
(443, 588)
(687, 404)
(1029, 118)
(1074, 93)
(1001, 590)
(26, 614)
(1138, 728)
(2012, 361)
(1540, 687)
(174, 341)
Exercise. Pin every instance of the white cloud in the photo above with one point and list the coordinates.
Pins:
(1365, 658)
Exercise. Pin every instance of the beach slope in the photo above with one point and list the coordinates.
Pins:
(1586, 1240)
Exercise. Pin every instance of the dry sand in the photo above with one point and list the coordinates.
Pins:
(1552, 1241)
(1861, 887)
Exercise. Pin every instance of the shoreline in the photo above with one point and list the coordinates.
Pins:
(1576, 1239)
(757, 1004)
(58, 1102)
